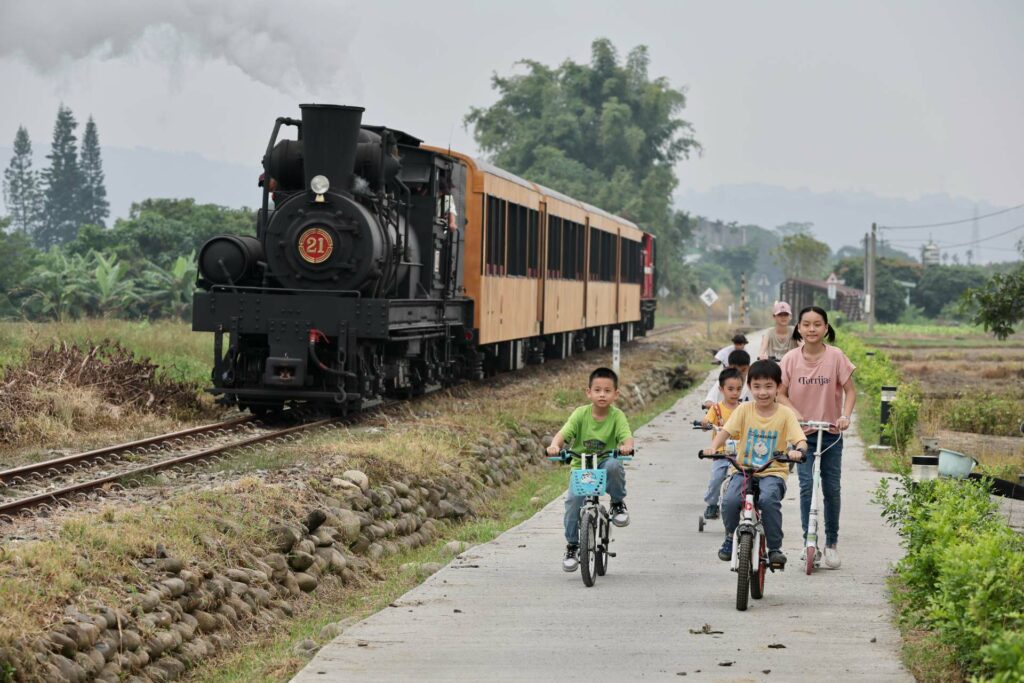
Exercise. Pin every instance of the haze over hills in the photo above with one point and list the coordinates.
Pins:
(840, 218)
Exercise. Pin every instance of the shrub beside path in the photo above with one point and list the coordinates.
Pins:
(505, 610)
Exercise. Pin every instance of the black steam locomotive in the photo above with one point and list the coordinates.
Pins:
(351, 290)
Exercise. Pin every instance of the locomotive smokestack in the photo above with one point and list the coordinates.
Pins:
(330, 135)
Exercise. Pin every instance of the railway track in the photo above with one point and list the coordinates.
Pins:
(49, 483)
(55, 482)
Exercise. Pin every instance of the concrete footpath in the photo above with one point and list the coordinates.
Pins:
(505, 610)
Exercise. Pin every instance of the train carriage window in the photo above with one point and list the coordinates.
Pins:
(502, 237)
(568, 253)
(581, 251)
(524, 238)
(554, 266)
(595, 252)
(533, 249)
(491, 267)
(516, 236)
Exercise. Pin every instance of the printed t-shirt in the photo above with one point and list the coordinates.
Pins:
(759, 437)
(816, 387)
(717, 415)
(587, 435)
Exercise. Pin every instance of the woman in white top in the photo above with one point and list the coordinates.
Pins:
(778, 342)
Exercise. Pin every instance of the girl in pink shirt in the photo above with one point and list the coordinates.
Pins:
(817, 382)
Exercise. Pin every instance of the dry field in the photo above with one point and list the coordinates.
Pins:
(972, 387)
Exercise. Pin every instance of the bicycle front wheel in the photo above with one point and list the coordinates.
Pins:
(588, 548)
(743, 572)
(603, 541)
(760, 571)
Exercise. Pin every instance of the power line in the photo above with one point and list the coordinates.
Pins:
(939, 225)
(907, 245)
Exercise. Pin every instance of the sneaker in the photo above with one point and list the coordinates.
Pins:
(777, 558)
(711, 512)
(620, 516)
(832, 560)
(725, 552)
(571, 560)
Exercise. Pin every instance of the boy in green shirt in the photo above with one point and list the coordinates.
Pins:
(595, 428)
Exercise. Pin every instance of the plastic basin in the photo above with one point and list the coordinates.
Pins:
(955, 465)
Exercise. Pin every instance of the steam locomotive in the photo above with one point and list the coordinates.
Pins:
(384, 268)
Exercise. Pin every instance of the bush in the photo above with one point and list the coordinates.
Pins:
(874, 372)
(985, 414)
(903, 418)
(960, 577)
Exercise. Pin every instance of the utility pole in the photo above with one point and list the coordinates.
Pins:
(872, 264)
(744, 308)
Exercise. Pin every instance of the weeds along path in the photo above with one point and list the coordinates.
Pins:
(186, 568)
(505, 610)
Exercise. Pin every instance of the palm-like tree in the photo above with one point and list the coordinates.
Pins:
(168, 291)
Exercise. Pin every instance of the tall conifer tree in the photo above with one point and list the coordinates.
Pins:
(94, 205)
(63, 185)
(21, 187)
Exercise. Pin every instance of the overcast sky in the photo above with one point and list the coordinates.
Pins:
(902, 99)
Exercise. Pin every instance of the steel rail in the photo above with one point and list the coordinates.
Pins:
(21, 503)
(56, 463)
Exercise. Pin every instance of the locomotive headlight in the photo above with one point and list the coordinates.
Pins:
(319, 184)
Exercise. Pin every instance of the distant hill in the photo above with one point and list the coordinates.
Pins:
(842, 218)
(140, 173)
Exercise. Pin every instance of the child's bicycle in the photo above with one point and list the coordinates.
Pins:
(730, 448)
(812, 554)
(750, 571)
(595, 521)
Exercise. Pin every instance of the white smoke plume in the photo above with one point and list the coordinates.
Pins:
(294, 47)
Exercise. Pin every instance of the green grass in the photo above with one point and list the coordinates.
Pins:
(180, 353)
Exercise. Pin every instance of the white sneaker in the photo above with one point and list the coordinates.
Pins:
(832, 560)
(571, 560)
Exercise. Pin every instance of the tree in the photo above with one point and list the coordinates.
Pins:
(63, 185)
(890, 297)
(21, 186)
(160, 230)
(18, 262)
(940, 285)
(93, 202)
(794, 228)
(802, 256)
(168, 291)
(603, 132)
(998, 305)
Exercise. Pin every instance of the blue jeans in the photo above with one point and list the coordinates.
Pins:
(719, 470)
(831, 469)
(769, 501)
(615, 486)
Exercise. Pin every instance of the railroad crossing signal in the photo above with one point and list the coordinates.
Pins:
(709, 297)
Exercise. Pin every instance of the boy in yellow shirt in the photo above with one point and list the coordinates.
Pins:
(730, 383)
(761, 427)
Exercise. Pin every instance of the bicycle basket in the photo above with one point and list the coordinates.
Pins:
(588, 482)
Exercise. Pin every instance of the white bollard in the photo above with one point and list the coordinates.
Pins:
(615, 351)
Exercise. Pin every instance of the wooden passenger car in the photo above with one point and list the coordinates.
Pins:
(549, 274)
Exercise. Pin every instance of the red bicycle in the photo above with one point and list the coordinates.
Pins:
(749, 534)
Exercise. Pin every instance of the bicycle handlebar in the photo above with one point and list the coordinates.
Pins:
(565, 455)
(777, 456)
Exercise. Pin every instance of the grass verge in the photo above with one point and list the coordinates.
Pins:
(271, 658)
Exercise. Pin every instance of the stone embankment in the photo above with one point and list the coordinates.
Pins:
(189, 613)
